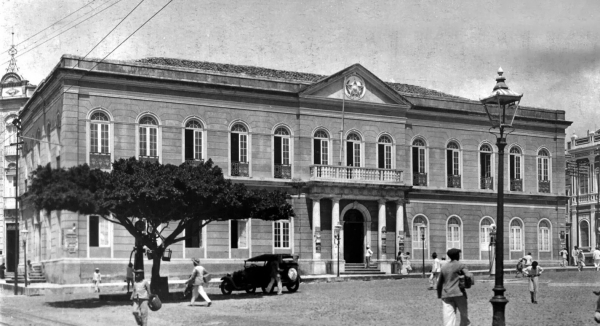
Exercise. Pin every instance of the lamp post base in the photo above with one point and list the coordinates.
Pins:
(499, 302)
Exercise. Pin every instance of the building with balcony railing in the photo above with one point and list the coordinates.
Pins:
(409, 161)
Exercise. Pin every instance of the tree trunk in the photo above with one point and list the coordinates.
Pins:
(138, 262)
(158, 285)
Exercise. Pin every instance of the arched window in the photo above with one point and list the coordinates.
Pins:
(148, 138)
(453, 165)
(485, 167)
(515, 169)
(239, 150)
(193, 140)
(543, 167)
(453, 233)
(419, 165)
(99, 133)
(353, 150)
(544, 236)
(281, 155)
(321, 148)
(420, 228)
(584, 233)
(384, 152)
(516, 236)
(484, 234)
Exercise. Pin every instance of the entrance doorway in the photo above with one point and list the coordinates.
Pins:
(354, 236)
(11, 250)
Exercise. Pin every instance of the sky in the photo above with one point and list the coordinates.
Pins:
(549, 50)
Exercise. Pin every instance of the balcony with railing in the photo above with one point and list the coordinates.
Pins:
(590, 140)
(516, 184)
(240, 169)
(487, 183)
(153, 159)
(283, 171)
(354, 174)
(454, 181)
(544, 186)
(419, 179)
(585, 199)
(100, 161)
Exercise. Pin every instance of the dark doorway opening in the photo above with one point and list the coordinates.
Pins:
(11, 237)
(353, 236)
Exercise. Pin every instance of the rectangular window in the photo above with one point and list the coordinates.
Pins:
(544, 239)
(193, 144)
(515, 239)
(239, 234)
(453, 236)
(243, 148)
(281, 234)
(486, 165)
(422, 160)
(193, 229)
(385, 156)
(356, 154)
(484, 239)
(455, 161)
(197, 145)
(94, 138)
(324, 152)
(153, 142)
(542, 169)
(104, 138)
(99, 232)
(285, 151)
(9, 186)
(143, 142)
(388, 157)
(417, 232)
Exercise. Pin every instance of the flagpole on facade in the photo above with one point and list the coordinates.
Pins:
(342, 126)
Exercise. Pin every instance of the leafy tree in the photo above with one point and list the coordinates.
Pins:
(169, 198)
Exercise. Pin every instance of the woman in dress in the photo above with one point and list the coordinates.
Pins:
(533, 272)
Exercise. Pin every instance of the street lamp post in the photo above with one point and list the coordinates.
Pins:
(25, 232)
(492, 248)
(422, 227)
(501, 107)
(338, 229)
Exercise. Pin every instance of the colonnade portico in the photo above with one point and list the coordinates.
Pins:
(364, 194)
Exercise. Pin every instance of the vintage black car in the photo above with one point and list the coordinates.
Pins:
(257, 274)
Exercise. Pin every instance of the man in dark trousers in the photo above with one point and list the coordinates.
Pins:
(275, 277)
(453, 297)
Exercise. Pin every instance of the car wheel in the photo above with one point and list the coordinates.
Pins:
(251, 290)
(226, 287)
(294, 286)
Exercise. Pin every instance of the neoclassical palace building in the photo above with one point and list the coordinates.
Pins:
(397, 167)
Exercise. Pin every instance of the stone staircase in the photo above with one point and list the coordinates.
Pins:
(35, 275)
(359, 269)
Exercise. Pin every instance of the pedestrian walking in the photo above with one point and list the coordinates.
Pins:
(575, 255)
(520, 267)
(139, 296)
(533, 272)
(368, 254)
(597, 312)
(449, 290)
(275, 276)
(197, 278)
(435, 271)
(129, 275)
(97, 279)
(580, 259)
(527, 260)
(564, 254)
(407, 264)
(596, 256)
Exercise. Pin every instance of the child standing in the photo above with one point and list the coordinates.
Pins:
(129, 276)
(97, 279)
(140, 295)
(368, 255)
(533, 272)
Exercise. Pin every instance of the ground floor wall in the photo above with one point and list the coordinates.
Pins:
(70, 245)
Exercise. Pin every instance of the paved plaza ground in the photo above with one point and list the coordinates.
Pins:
(566, 298)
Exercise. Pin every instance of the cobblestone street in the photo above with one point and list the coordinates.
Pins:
(388, 302)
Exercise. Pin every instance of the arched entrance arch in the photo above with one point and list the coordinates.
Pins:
(356, 221)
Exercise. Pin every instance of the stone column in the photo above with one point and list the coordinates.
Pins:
(316, 223)
(399, 222)
(380, 226)
(335, 219)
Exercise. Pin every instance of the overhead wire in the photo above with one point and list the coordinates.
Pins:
(56, 22)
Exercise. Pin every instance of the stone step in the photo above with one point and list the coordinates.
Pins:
(362, 273)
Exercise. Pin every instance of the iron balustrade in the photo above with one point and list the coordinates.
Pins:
(454, 181)
(100, 161)
(240, 169)
(283, 171)
(544, 186)
(350, 173)
(153, 159)
(419, 179)
(516, 184)
(194, 161)
(487, 183)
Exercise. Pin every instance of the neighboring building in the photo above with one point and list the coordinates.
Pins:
(583, 157)
(14, 93)
(412, 162)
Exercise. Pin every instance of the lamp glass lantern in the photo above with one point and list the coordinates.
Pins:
(502, 104)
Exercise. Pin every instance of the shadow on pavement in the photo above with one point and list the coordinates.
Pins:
(91, 303)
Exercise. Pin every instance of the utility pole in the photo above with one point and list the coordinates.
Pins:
(17, 123)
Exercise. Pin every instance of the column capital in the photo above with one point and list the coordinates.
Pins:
(336, 199)
(381, 201)
(401, 201)
(316, 197)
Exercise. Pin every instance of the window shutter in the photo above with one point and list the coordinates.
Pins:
(189, 144)
(482, 165)
(512, 167)
(277, 150)
(94, 231)
(449, 162)
(235, 147)
(317, 151)
(381, 155)
(415, 159)
(349, 154)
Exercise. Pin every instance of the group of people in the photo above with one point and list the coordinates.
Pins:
(529, 268)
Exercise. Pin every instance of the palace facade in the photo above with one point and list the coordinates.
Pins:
(398, 167)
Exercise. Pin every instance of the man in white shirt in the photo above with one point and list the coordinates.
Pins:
(527, 260)
(596, 255)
